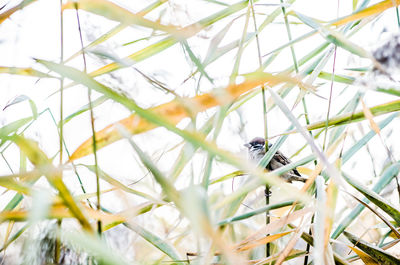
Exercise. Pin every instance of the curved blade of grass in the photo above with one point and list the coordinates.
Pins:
(376, 253)
(8, 13)
(83, 109)
(156, 241)
(375, 198)
(386, 178)
(255, 212)
(23, 71)
(40, 160)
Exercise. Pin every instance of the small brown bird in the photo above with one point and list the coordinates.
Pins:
(256, 148)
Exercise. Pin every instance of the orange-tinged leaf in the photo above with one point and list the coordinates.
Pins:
(364, 257)
(369, 11)
(262, 241)
(176, 110)
(8, 13)
(60, 211)
(368, 114)
(22, 71)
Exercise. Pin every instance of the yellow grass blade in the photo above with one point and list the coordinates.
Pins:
(364, 257)
(8, 13)
(370, 117)
(369, 11)
(60, 211)
(262, 241)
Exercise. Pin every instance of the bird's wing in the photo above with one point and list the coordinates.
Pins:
(285, 161)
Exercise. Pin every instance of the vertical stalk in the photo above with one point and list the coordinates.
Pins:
(57, 246)
(267, 187)
(303, 100)
(99, 229)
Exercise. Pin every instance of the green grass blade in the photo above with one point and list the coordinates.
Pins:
(386, 178)
(376, 253)
(375, 198)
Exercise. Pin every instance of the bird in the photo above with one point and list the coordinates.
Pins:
(256, 150)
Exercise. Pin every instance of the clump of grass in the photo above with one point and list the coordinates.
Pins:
(178, 187)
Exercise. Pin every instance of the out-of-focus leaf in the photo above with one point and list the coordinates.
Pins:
(16, 100)
(23, 71)
(337, 78)
(8, 13)
(155, 241)
(339, 260)
(11, 182)
(14, 237)
(390, 91)
(12, 128)
(377, 110)
(367, 12)
(41, 161)
(384, 180)
(376, 253)
(95, 246)
(59, 212)
(226, 177)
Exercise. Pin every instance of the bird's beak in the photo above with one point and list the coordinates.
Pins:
(247, 145)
